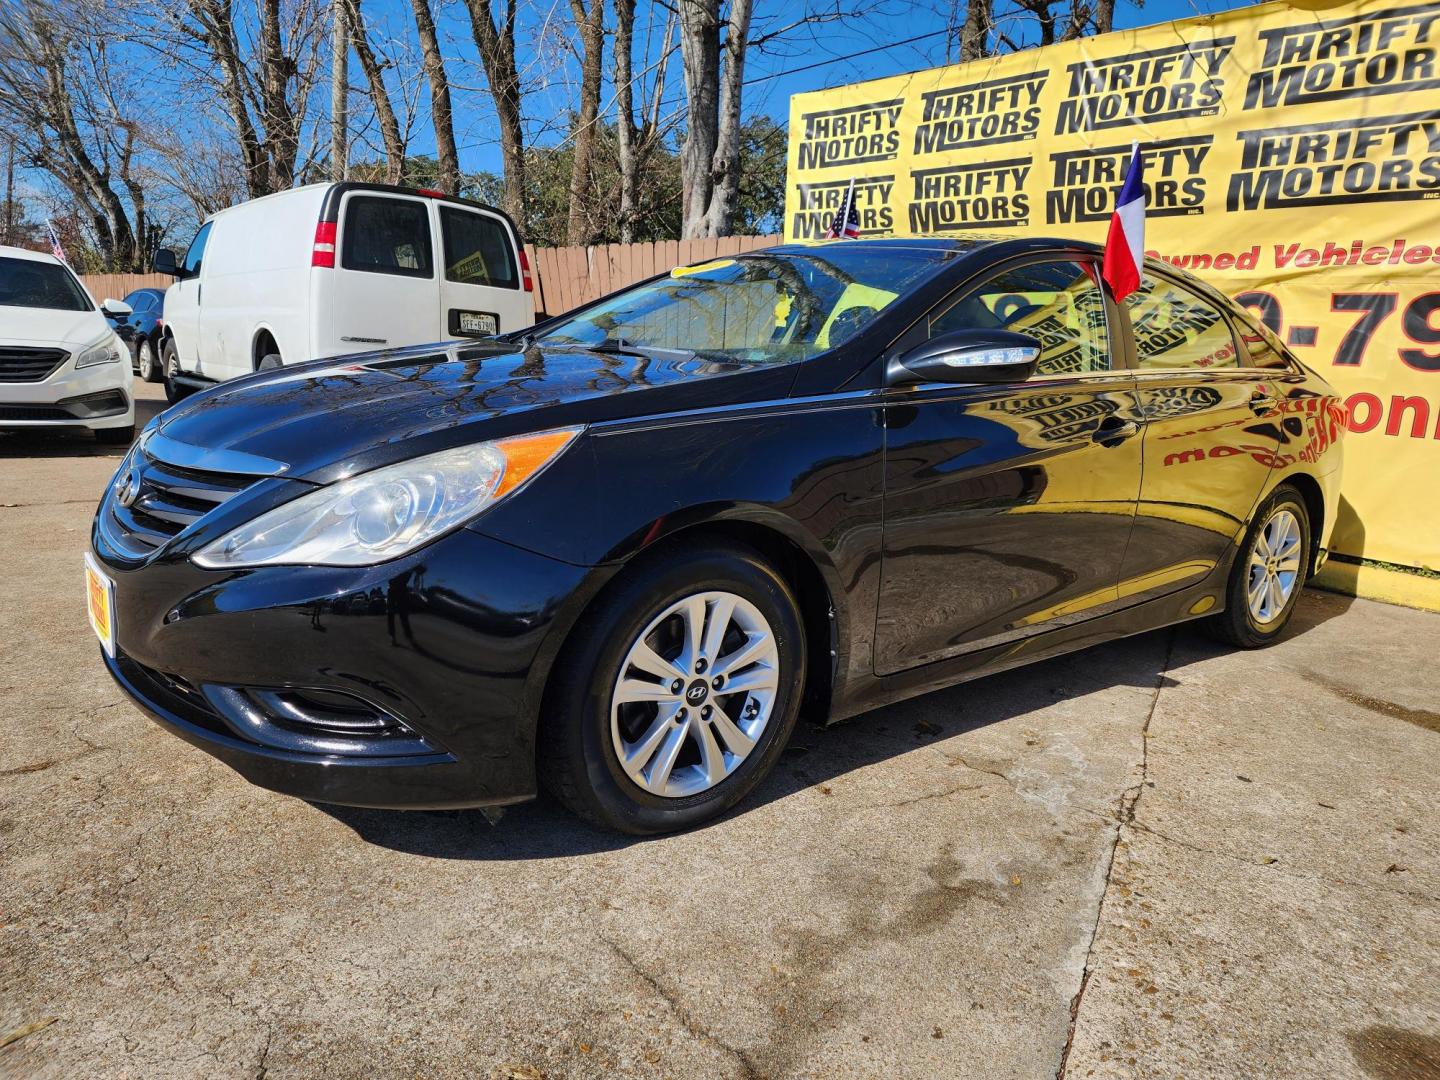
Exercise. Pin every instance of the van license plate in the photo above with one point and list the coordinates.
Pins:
(481, 323)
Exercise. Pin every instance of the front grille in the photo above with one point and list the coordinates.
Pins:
(170, 499)
(34, 412)
(19, 364)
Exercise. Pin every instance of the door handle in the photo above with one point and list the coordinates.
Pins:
(1113, 431)
(1262, 404)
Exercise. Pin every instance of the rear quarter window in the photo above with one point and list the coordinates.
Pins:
(477, 249)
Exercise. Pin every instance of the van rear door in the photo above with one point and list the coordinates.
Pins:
(384, 288)
(480, 288)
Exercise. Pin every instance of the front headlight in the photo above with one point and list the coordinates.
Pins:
(105, 351)
(383, 514)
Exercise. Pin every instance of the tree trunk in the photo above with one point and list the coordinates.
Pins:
(591, 26)
(975, 34)
(625, 115)
(1104, 16)
(496, 45)
(700, 57)
(440, 112)
(375, 77)
(339, 93)
(282, 141)
(725, 166)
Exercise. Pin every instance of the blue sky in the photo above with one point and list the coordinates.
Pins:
(772, 74)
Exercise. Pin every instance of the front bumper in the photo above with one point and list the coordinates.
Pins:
(100, 396)
(448, 645)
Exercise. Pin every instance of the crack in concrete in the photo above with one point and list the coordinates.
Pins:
(682, 1012)
(1124, 815)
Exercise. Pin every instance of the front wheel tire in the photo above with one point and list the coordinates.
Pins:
(149, 363)
(170, 364)
(677, 692)
(1269, 573)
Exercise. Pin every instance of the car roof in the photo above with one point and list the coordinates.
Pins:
(26, 253)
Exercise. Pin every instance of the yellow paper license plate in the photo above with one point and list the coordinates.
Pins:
(100, 602)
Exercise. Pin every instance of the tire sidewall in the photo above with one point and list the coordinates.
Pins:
(1283, 498)
(615, 798)
(169, 365)
(147, 360)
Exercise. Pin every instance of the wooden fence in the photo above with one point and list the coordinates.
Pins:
(564, 277)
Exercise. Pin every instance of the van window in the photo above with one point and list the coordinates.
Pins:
(387, 236)
(477, 249)
(193, 257)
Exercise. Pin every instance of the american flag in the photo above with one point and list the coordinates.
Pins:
(846, 222)
(55, 248)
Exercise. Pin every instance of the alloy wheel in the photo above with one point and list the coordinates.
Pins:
(694, 694)
(1274, 566)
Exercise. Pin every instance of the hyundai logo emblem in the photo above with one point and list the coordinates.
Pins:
(696, 693)
(129, 488)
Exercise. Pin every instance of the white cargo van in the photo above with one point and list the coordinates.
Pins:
(329, 269)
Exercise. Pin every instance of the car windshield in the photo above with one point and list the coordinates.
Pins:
(35, 284)
(766, 308)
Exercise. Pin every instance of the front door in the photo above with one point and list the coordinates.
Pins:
(1008, 508)
(182, 303)
(480, 289)
(1212, 432)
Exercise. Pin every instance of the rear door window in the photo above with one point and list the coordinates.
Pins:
(1175, 328)
(477, 249)
(387, 236)
(1058, 303)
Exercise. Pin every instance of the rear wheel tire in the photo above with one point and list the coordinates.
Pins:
(148, 362)
(676, 693)
(115, 436)
(269, 361)
(170, 364)
(1268, 575)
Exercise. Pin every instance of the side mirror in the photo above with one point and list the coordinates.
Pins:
(967, 356)
(166, 262)
(116, 309)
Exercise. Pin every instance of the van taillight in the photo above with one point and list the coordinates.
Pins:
(323, 253)
(525, 277)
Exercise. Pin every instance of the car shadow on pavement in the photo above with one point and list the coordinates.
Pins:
(817, 755)
(72, 442)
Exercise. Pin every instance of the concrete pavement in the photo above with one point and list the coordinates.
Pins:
(1157, 858)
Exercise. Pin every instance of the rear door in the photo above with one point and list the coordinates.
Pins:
(385, 289)
(480, 289)
(1211, 436)
(1008, 508)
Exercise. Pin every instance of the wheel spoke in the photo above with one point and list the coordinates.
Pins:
(712, 758)
(640, 690)
(747, 654)
(641, 752)
(717, 622)
(1289, 564)
(736, 741)
(757, 678)
(1258, 583)
(649, 661)
(665, 760)
(1276, 600)
(692, 618)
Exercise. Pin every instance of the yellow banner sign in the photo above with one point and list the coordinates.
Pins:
(1292, 159)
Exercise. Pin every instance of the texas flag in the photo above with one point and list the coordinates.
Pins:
(1125, 246)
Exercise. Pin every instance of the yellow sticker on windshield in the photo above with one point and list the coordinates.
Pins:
(700, 268)
(782, 309)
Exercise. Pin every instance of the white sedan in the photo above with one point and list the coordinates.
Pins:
(60, 362)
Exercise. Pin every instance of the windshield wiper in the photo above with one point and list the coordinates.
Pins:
(621, 347)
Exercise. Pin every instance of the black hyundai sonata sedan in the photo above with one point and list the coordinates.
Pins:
(618, 554)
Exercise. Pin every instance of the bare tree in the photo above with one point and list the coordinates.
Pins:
(374, 70)
(635, 140)
(590, 25)
(975, 33)
(496, 44)
(440, 111)
(710, 157)
(60, 103)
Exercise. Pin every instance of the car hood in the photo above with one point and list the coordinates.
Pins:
(47, 326)
(330, 418)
